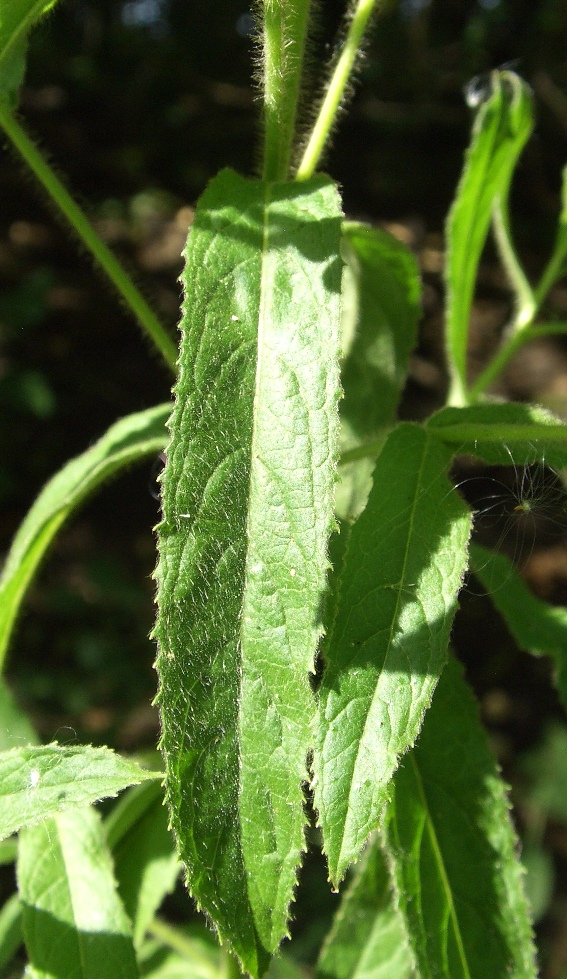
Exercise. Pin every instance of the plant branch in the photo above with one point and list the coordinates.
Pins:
(285, 28)
(84, 229)
(335, 89)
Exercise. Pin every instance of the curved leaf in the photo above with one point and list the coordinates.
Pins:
(502, 125)
(17, 17)
(453, 850)
(403, 568)
(247, 510)
(126, 442)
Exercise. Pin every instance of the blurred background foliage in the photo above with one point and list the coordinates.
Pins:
(137, 104)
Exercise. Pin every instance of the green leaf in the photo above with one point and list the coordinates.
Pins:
(17, 17)
(501, 128)
(11, 936)
(146, 864)
(247, 510)
(537, 627)
(36, 782)
(387, 646)
(381, 293)
(367, 939)
(126, 442)
(503, 434)
(75, 926)
(453, 850)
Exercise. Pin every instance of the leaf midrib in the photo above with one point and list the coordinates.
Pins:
(400, 589)
(441, 867)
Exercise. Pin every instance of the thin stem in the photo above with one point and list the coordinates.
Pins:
(554, 270)
(177, 941)
(335, 89)
(284, 38)
(556, 266)
(497, 364)
(525, 300)
(100, 252)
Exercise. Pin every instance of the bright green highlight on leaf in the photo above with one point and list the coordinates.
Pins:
(75, 926)
(453, 851)
(502, 126)
(247, 510)
(387, 644)
(127, 441)
(36, 782)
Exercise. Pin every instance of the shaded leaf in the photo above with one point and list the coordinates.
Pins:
(11, 935)
(37, 782)
(453, 850)
(537, 626)
(381, 310)
(74, 924)
(146, 864)
(367, 939)
(247, 510)
(127, 441)
(387, 645)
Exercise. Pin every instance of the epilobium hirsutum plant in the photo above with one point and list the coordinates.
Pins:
(282, 451)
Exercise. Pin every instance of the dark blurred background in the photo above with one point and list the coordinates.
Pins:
(138, 103)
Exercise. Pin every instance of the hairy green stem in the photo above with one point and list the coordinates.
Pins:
(335, 89)
(525, 300)
(84, 229)
(285, 27)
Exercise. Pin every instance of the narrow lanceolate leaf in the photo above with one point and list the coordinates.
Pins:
(127, 441)
(36, 782)
(387, 646)
(453, 851)
(367, 939)
(247, 509)
(381, 310)
(502, 125)
(537, 626)
(17, 17)
(75, 926)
